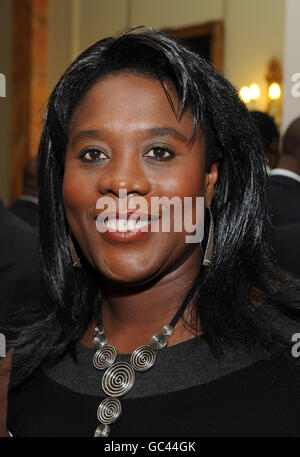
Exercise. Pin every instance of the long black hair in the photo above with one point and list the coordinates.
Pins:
(243, 273)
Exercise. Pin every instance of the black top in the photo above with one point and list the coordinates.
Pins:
(188, 392)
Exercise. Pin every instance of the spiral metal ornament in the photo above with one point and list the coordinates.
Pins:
(143, 358)
(158, 341)
(118, 379)
(167, 330)
(104, 357)
(102, 431)
(109, 410)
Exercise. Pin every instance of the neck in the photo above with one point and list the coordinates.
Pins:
(131, 316)
(290, 163)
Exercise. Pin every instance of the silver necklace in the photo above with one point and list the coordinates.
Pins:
(119, 378)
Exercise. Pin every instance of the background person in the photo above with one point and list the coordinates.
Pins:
(19, 270)
(25, 207)
(285, 179)
(270, 136)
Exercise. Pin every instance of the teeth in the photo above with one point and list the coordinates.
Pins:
(121, 225)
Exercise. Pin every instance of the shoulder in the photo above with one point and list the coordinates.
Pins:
(283, 181)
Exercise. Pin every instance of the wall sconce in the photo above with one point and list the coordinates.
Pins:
(274, 80)
(274, 91)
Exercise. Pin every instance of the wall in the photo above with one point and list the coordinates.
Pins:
(291, 104)
(5, 103)
(253, 29)
(254, 34)
(174, 13)
(59, 38)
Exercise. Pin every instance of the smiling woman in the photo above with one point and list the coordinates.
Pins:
(142, 333)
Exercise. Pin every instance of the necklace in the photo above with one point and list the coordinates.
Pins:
(119, 377)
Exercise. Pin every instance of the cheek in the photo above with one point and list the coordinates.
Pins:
(76, 192)
(188, 182)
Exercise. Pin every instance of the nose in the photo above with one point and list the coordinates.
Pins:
(124, 172)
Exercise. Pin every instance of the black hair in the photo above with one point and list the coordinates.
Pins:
(243, 272)
(266, 126)
(291, 139)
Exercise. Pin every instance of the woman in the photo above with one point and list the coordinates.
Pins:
(141, 115)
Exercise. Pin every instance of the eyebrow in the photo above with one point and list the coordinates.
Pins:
(85, 134)
(167, 131)
(160, 131)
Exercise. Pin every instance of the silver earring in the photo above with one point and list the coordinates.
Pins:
(75, 259)
(210, 242)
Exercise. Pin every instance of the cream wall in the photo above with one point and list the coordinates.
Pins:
(253, 35)
(59, 38)
(99, 19)
(175, 13)
(5, 103)
(253, 30)
(291, 101)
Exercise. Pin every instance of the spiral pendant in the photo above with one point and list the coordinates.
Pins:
(118, 379)
(143, 358)
(109, 410)
(104, 357)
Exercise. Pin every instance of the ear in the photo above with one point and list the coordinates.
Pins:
(211, 177)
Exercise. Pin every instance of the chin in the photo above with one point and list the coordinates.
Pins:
(128, 277)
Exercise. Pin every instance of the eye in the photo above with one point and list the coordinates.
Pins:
(159, 153)
(92, 155)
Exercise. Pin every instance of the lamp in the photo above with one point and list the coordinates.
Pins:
(245, 94)
(274, 80)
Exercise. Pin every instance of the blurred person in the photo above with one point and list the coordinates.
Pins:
(284, 180)
(286, 241)
(145, 334)
(26, 205)
(19, 270)
(270, 137)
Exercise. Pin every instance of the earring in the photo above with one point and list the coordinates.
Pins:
(75, 259)
(210, 242)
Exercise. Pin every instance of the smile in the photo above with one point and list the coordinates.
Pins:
(122, 225)
(123, 229)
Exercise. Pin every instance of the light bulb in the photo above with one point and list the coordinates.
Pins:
(254, 91)
(245, 94)
(274, 91)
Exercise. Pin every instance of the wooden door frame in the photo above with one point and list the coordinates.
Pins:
(29, 84)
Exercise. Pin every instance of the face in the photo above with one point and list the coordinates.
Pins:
(124, 135)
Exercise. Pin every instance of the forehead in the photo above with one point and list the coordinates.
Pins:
(130, 99)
